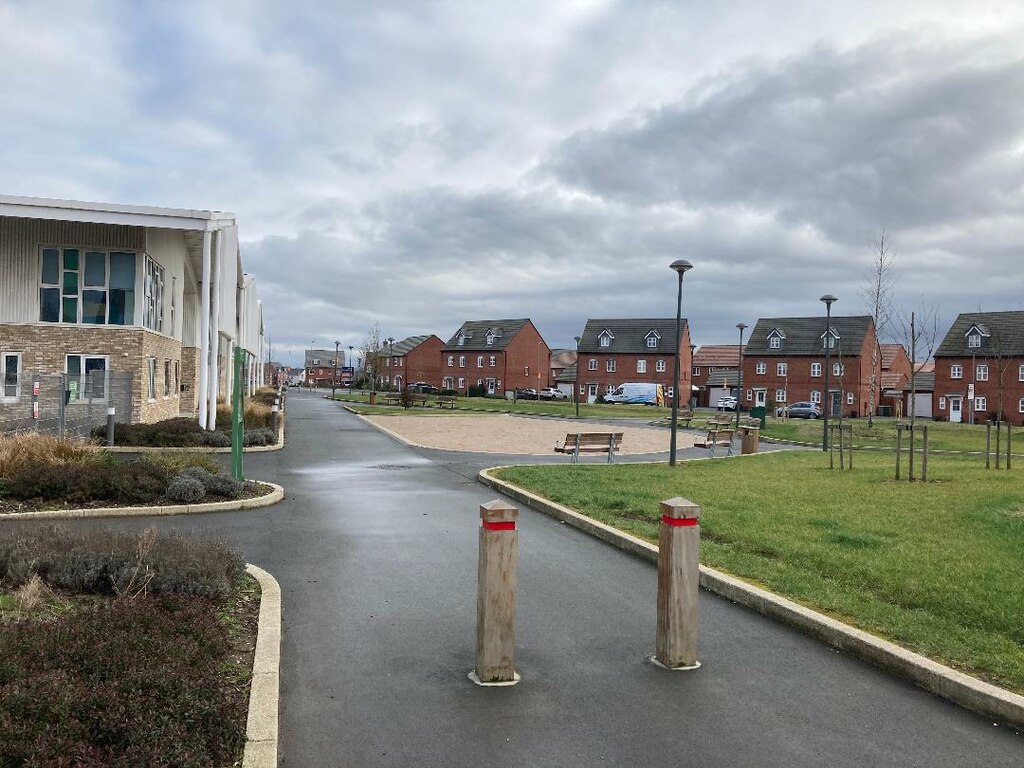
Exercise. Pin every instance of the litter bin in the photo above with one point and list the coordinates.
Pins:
(748, 439)
(758, 412)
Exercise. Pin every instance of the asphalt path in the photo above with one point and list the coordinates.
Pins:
(375, 549)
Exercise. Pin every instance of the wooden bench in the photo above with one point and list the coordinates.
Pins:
(446, 401)
(418, 398)
(717, 436)
(392, 399)
(576, 443)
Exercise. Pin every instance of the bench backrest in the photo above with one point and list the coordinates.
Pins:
(593, 438)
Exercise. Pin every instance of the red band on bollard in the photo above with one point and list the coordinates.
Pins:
(679, 521)
(488, 526)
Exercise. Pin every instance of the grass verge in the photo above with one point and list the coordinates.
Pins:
(561, 409)
(156, 675)
(932, 566)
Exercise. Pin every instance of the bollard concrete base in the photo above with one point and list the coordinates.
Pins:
(499, 684)
(654, 660)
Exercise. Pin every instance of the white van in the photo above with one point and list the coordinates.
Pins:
(640, 392)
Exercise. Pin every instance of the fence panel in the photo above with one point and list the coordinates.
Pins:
(67, 404)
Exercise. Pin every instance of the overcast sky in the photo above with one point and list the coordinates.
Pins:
(418, 164)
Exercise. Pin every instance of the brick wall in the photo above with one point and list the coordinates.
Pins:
(44, 349)
(1013, 388)
(472, 372)
(188, 402)
(626, 368)
(525, 352)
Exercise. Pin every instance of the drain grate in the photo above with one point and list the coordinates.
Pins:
(391, 467)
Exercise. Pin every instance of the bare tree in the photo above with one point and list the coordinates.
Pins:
(877, 292)
(920, 333)
(372, 346)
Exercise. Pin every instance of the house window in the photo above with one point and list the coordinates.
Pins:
(462, 361)
(490, 338)
(11, 371)
(982, 372)
(174, 291)
(956, 371)
(94, 287)
(610, 366)
(153, 296)
(492, 361)
(641, 366)
(942, 403)
(761, 368)
(974, 340)
(775, 342)
(461, 339)
(750, 395)
(151, 389)
(652, 342)
(837, 369)
(815, 396)
(592, 364)
(177, 378)
(479, 361)
(609, 388)
(1020, 405)
(696, 370)
(167, 378)
(1020, 373)
(606, 340)
(780, 395)
(87, 377)
(479, 382)
(447, 383)
(451, 361)
(849, 398)
(829, 341)
(781, 368)
(659, 366)
(815, 370)
(981, 404)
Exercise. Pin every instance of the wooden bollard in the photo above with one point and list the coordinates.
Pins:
(678, 582)
(496, 596)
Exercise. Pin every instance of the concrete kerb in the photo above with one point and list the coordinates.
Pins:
(269, 499)
(964, 690)
(261, 729)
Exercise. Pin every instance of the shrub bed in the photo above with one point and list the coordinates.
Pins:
(140, 677)
(184, 432)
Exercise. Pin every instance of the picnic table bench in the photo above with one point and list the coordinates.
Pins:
(576, 443)
(717, 436)
(446, 400)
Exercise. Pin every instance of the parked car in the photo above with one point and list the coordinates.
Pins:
(727, 403)
(526, 394)
(552, 393)
(801, 411)
(423, 388)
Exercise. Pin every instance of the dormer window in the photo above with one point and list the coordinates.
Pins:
(829, 339)
(652, 340)
(490, 338)
(974, 340)
(605, 339)
(460, 339)
(775, 339)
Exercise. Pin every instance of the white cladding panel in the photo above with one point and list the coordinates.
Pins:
(167, 248)
(190, 320)
(250, 317)
(20, 241)
(230, 278)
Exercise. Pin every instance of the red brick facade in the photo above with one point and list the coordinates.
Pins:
(950, 388)
(602, 372)
(523, 362)
(421, 363)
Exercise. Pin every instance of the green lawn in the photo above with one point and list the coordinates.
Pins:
(532, 407)
(935, 566)
(942, 436)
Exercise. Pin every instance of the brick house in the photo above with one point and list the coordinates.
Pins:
(111, 298)
(894, 372)
(714, 372)
(415, 358)
(784, 362)
(500, 355)
(321, 368)
(983, 351)
(614, 352)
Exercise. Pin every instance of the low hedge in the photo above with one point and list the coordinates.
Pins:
(185, 432)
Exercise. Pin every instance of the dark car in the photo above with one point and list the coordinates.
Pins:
(802, 411)
(526, 394)
(423, 388)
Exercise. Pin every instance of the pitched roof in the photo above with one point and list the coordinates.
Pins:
(563, 358)
(1005, 335)
(408, 344)
(892, 380)
(890, 352)
(629, 336)
(325, 356)
(803, 335)
(567, 374)
(923, 382)
(718, 356)
(475, 332)
(724, 378)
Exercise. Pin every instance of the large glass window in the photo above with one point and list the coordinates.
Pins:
(153, 316)
(87, 377)
(90, 287)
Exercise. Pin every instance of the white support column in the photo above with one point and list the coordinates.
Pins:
(217, 273)
(204, 331)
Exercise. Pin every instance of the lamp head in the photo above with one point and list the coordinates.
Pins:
(741, 327)
(828, 299)
(681, 266)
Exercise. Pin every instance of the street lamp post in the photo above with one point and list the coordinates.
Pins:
(312, 351)
(352, 377)
(681, 266)
(828, 299)
(691, 400)
(334, 379)
(391, 357)
(576, 385)
(739, 385)
(540, 345)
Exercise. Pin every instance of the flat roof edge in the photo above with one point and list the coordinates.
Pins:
(77, 210)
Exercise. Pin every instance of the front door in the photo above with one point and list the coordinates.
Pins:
(836, 398)
(760, 397)
(490, 386)
(956, 410)
(591, 392)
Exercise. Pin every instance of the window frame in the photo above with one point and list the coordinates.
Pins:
(782, 369)
(780, 395)
(815, 370)
(18, 375)
(592, 364)
(659, 366)
(695, 371)
(761, 368)
(652, 341)
(151, 380)
(956, 371)
(479, 361)
(974, 341)
(82, 251)
(83, 358)
(774, 342)
(816, 396)
(609, 365)
(980, 403)
(641, 366)
(604, 340)
(981, 372)
(154, 282)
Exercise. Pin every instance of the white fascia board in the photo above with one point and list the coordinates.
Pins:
(106, 213)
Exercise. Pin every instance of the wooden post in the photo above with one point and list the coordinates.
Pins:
(899, 444)
(910, 458)
(988, 444)
(842, 447)
(924, 455)
(851, 446)
(1008, 441)
(496, 595)
(678, 582)
(831, 447)
(999, 426)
